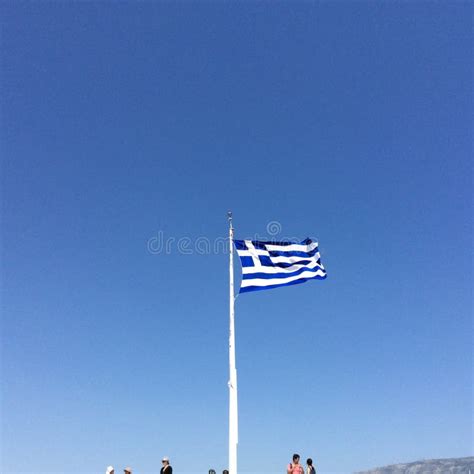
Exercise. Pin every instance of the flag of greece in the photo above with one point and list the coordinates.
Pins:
(268, 265)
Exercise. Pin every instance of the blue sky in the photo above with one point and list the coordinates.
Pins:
(126, 123)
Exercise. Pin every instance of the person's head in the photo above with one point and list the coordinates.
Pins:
(110, 470)
(225, 471)
(128, 470)
(165, 461)
(296, 458)
(309, 462)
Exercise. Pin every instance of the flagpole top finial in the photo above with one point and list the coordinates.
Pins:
(229, 215)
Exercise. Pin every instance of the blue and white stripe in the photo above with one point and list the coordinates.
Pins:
(268, 265)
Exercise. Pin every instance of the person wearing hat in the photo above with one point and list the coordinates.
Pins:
(166, 469)
(128, 470)
(110, 470)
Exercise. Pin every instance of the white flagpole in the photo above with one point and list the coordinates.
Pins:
(233, 413)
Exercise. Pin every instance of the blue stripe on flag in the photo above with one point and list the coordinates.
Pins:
(269, 276)
(292, 253)
(301, 280)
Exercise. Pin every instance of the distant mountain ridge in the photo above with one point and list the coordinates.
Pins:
(430, 466)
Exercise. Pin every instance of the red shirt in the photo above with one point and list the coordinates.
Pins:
(295, 469)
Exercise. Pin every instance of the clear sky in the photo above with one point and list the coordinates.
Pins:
(127, 124)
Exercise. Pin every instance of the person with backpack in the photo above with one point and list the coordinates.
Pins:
(310, 469)
(295, 467)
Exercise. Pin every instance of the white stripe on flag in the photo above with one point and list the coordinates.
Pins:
(292, 247)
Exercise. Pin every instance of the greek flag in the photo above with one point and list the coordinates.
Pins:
(268, 265)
